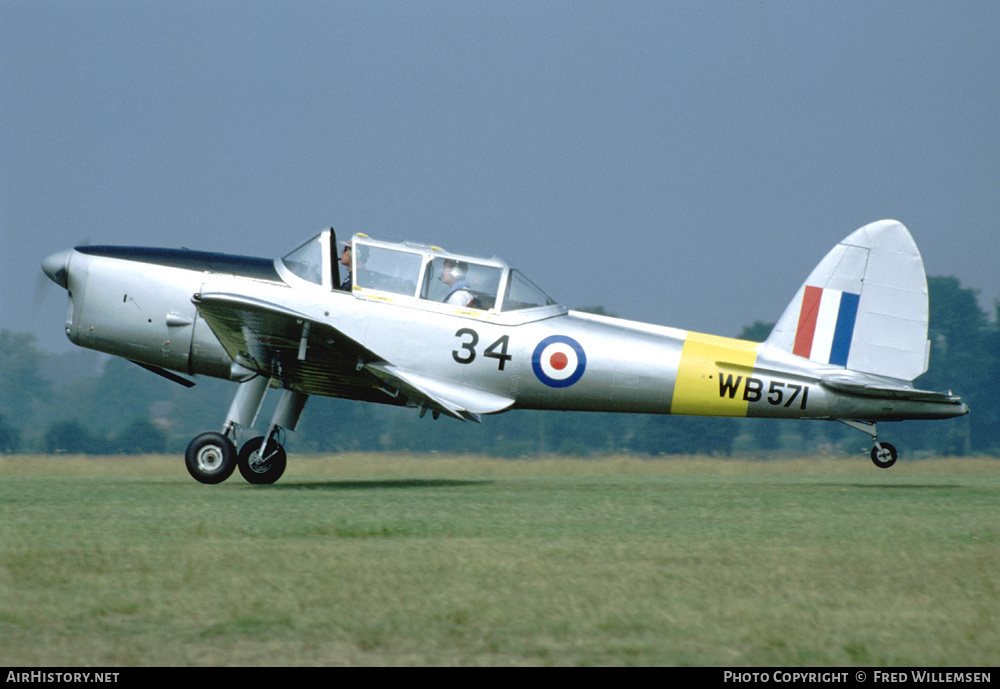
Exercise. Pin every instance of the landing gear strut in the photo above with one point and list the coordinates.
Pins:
(212, 457)
(883, 455)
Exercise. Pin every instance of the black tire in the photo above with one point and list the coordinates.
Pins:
(261, 473)
(210, 458)
(886, 457)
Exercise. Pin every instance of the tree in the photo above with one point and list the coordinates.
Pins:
(766, 433)
(962, 360)
(24, 390)
(69, 437)
(137, 438)
(579, 433)
(686, 435)
(757, 332)
(10, 437)
(126, 392)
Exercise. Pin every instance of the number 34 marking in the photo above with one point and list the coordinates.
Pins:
(467, 354)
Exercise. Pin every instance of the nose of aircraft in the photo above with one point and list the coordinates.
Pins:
(56, 267)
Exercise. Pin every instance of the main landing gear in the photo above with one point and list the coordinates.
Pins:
(883, 455)
(212, 457)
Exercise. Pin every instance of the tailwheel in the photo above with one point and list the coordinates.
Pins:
(884, 455)
(260, 462)
(210, 458)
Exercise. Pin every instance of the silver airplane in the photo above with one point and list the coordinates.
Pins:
(463, 336)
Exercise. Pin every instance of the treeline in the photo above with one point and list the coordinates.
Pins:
(82, 402)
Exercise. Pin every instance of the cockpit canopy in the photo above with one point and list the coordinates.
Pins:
(423, 273)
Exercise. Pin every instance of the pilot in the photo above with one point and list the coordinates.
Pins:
(345, 260)
(453, 274)
(368, 278)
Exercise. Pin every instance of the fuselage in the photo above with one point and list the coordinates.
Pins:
(141, 304)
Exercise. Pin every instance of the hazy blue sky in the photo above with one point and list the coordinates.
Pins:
(683, 163)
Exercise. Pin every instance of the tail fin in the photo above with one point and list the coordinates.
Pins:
(864, 307)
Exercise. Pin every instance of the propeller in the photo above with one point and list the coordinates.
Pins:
(54, 269)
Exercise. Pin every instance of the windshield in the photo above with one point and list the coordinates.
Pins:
(307, 261)
(522, 293)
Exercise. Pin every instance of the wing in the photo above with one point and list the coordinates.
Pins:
(287, 346)
(315, 358)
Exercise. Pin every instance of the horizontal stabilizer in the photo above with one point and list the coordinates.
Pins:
(887, 391)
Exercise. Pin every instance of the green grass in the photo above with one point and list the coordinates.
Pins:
(404, 560)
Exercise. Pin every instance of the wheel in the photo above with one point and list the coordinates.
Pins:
(258, 470)
(884, 457)
(210, 458)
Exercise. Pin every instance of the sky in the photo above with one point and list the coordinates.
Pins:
(680, 163)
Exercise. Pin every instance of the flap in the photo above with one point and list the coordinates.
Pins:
(460, 401)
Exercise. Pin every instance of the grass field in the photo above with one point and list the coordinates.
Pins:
(402, 560)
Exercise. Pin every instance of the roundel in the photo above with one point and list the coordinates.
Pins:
(558, 361)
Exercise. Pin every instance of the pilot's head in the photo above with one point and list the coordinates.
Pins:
(347, 248)
(452, 271)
